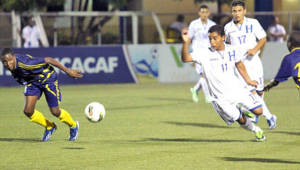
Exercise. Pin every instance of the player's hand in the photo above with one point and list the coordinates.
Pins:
(251, 52)
(184, 35)
(267, 87)
(270, 85)
(74, 73)
(253, 83)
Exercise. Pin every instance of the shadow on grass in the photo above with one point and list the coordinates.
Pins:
(192, 140)
(205, 125)
(19, 140)
(286, 132)
(264, 160)
(144, 106)
(170, 99)
(73, 148)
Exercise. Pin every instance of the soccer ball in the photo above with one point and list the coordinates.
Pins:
(94, 112)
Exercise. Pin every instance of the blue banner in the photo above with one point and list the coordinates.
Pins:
(108, 64)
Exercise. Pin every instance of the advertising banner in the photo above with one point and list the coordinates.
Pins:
(108, 64)
(144, 58)
(171, 68)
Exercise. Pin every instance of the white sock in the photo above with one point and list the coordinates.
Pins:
(204, 87)
(250, 125)
(197, 87)
(266, 112)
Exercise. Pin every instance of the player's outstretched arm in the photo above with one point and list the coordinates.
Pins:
(185, 55)
(70, 72)
(271, 84)
(242, 70)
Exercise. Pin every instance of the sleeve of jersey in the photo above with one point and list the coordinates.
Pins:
(258, 30)
(32, 63)
(284, 71)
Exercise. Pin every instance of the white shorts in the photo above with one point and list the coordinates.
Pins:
(255, 71)
(230, 112)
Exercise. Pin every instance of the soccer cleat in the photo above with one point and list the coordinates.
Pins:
(194, 95)
(252, 116)
(272, 122)
(260, 137)
(74, 132)
(208, 100)
(48, 133)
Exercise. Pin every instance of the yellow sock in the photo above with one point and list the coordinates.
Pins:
(66, 118)
(40, 119)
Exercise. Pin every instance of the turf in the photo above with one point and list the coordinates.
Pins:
(148, 126)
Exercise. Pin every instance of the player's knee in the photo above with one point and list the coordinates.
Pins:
(241, 120)
(258, 111)
(28, 112)
(55, 111)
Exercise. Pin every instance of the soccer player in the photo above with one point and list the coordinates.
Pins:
(244, 32)
(38, 76)
(219, 62)
(198, 32)
(290, 65)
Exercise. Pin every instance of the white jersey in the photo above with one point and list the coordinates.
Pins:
(31, 35)
(219, 69)
(244, 35)
(277, 29)
(198, 32)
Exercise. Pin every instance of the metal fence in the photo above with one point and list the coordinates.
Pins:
(101, 28)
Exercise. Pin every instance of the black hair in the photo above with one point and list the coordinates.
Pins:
(203, 7)
(5, 51)
(238, 3)
(294, 39)
(180, 18)
(218, 29)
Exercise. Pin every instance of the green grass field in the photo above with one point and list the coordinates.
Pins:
(148, 126)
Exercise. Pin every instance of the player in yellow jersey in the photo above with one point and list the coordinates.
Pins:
(38, 76)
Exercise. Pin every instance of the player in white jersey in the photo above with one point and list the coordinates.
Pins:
(244, 32)
(219, 64)
(198, 32)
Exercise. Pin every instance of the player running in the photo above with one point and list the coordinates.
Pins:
(38, 76)
(198, 32)
(219, 63)
(243, 32)
(290, 65)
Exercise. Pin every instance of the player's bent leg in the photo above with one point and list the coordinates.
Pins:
(66, 118)
(194, 95)
(247, 124)
(271, 118)
(205, 90)
(38, 117)
(257, 111)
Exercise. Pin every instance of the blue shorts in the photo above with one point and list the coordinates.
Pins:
(51, 91)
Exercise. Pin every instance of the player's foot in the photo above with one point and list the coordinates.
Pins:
(253, 117)
(48, 133)
(74, 132)
(272, 122)
(260, 137)
(208, 100)
(194, 95)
